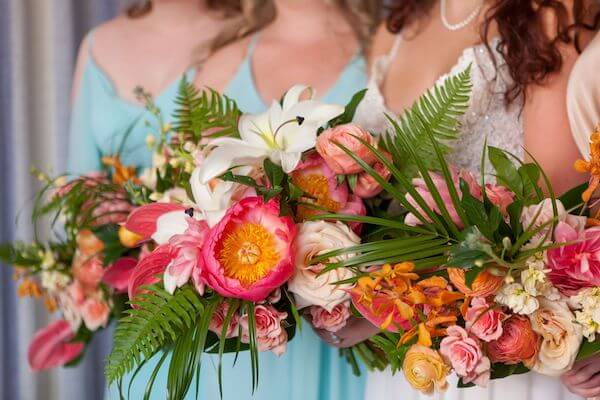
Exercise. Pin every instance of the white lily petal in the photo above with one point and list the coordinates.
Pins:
(289, 161)
(213, 217)
(294, 138)
(170, 281)
(168, 225)
(222, 158)
(292, 96)
(315, 111)
(252, 127)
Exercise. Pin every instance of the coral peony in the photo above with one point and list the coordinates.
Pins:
(51, 346)
(561, 337)
(270, 335)
(484, 285)
(518, 343)
(367, 186)
(330, 321)
(483, 321)
(309, 285)
(345, 135)
(440, 183)
(425, 370)
(577, 265)
(250, 252)
(464, 354)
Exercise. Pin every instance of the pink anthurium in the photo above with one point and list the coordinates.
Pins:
(51, 348)
(118, 273)
(149, 270)
(157, 221)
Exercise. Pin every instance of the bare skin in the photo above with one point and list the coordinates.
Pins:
(151, 51)
(429, 51)
(309, 42)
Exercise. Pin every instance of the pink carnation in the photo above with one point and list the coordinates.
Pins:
(249, 253)
(440, 183)
(465, 356)
(270, 335)
(483, 322)
(330, 321)
(577, 265)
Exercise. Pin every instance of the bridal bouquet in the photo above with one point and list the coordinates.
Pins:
(241, 209)
(481, 277)
(82, 270)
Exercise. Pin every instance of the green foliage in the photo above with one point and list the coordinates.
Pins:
(350, 110)
(388, 343)
(199, 111)
(158, 320)
(588, 349)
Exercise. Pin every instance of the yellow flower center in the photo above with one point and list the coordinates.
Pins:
(248, 253)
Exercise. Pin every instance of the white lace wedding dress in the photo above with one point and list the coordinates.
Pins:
(486, 117)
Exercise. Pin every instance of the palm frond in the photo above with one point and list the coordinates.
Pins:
(199, 111)
(158, 320)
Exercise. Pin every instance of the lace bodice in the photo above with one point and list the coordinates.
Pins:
(486, 116)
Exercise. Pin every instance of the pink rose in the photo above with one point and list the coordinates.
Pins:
(440, 183)
(218, 318)
(249, 253)
(51, 347)
(88, 270)
(499, 196)
(354, 206)
(330, 321)
(484, 322)
(118, 273)
(577, 265)
(465, 356)
(366, 186)
(518, 343)
(270, 335)
(95, 313)
(345, 135)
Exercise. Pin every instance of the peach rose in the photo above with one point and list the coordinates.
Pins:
(87, 270)
(218, 318)
(518, 343)
(484, 322)
(484, 285)
(499, 196)
(330, 321)
(88, 243)
(425, 369)
(95, 313)
(561, 337)
(366, 186)
(345, 135)
(270, 335)
(464, 354)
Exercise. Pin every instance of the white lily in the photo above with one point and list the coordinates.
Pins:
(281, 134)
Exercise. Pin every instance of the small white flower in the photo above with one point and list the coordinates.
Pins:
(150, 141)
(588, 323)
(189, 147)
(517, 299)
(159, 160)
(54, 280)
(148, 178)
(48, 260)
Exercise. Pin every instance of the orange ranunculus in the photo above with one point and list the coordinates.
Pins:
(518, 343)
(592, 166)
(484, 285)
(425, 369)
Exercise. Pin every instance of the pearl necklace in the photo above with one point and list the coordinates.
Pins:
(460, 25)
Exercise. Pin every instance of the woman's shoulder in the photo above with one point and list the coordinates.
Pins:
(220, 68)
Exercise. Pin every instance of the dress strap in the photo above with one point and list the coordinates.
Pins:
(90, 41)
(381, 64)
(252, 45)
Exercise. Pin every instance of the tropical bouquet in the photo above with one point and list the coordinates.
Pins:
(485, 275)
(80, 269)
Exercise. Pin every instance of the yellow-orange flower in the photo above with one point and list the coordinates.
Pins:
(29, 288)
(121, 173)
(429, 329)
(484, 285)
(50, 303)
(425, 369)
(592, 166)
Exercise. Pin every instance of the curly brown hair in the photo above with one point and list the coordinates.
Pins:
(530, 53)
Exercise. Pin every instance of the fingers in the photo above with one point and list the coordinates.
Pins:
(592, 383)
(581, 375)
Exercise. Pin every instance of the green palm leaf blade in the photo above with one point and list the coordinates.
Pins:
(158, 320)
(201, 110)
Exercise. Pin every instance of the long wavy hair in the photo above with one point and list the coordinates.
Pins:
(247, 16)
(531, 54)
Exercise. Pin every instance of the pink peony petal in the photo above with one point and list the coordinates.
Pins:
(118, 273)
(50, 346)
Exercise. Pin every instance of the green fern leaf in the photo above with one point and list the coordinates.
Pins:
(199, 111)
(158, 320)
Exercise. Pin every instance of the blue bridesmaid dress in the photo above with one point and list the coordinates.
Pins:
(309, 370)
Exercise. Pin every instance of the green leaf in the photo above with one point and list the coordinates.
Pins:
(588, 349)
(158, 320)
(274, 172)
(350, 110)
(352, 180)
(572, 198)
(506, 172)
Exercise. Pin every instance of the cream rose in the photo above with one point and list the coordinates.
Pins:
(308, 286)
(560, 337)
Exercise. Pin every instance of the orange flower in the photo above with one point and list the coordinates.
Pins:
(429, 329)
(425, 369)
(121, 174)
(592, 166)
(29, 288)
(50, 303)
(484, 285)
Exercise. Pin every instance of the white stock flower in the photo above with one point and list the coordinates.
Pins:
(54, 280)
(517, 299)
(587, 303)
(281, 134)
(310, 287)
(535, 280)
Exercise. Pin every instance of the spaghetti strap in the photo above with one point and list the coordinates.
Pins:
(394, 50)
(90, 41)
(381, 64)
(252, 45)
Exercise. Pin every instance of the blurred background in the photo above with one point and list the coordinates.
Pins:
(38, 46)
